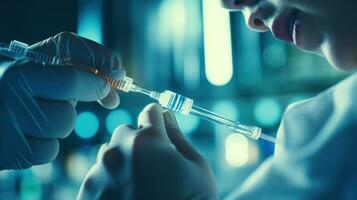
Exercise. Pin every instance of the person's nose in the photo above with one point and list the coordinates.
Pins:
(254, 13)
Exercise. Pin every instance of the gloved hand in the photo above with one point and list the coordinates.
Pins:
(151, 162)
(37, 102)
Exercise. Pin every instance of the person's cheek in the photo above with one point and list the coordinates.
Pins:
(340, 49)
(309, 33)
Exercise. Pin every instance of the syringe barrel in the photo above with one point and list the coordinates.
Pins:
(175, 102)
(250, 131)
(184, 105)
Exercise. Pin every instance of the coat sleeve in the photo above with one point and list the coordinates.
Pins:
(315, 157)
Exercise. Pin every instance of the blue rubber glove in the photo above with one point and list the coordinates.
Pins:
(153, 161)
(37, 102)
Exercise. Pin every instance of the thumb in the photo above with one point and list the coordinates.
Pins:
(177, 138)
(151, 117)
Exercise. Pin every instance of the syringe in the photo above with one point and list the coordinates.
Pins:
(168, 99)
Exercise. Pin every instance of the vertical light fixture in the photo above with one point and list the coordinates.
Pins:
(217, 43)
(90, 20)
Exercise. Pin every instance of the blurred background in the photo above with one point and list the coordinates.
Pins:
(193, 47)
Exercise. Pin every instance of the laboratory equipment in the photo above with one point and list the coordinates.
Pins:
(168, 99)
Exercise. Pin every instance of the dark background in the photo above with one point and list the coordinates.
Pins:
(162, 49)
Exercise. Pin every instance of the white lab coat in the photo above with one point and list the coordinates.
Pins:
(317, 154)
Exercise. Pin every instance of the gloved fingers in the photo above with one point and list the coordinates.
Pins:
(35, 152)
(120, 146)
(43, 150)
(93, 184)
(57, 82)
(116, 153)
(151, 117)
(178, 139)
(98, 184)
(42, 118)
(124, 136)
(111, 101)
(113, 160)
(101, 151)
(71, 46)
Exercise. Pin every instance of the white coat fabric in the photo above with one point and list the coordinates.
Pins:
(316, 157)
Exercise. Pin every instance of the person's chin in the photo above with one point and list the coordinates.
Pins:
(343, 65)
(341, 58)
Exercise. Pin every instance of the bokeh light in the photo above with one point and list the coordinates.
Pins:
(227, 109)
(87, 125)
(43, 172)
(69, 191)
(236, 150)
(172, 15)
(267, 111)
(274, 55)
(188, 123)
(77, 167)
(90, 20)
(116, 118)
(30, 187)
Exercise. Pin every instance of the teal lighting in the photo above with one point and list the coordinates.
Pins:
(87, 125)
(188, 123)
(90, 20)
(116, 118)
(267, 111)
(249, 56)
(30, 187)
(274, 55)
(227, 109)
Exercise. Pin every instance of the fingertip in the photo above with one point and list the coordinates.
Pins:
(111, 101)
(152, 107)
(43, 150)
(71, 116)
(151, 115)
(121, 134)
(54, 145)
(123, 137)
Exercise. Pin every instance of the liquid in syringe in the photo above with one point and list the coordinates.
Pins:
(168, 99)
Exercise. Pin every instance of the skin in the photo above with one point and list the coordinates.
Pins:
(327, 26)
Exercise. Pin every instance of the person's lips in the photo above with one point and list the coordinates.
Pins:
(285, 26)
(296, 31)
